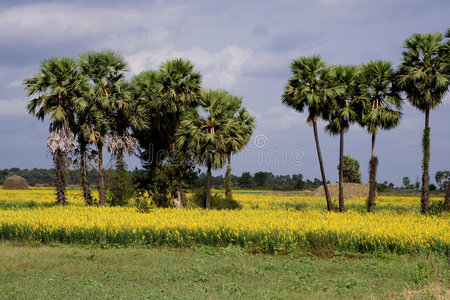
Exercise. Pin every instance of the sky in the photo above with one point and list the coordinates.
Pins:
(244, 47)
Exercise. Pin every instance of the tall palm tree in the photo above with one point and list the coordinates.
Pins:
(311, 87)
(58, 87)
(80, 129)
(346, 108)
(105, 70)
(241, 125)
(424, 76)
(180, 88)
(125, 115)
(156, 140)
(383, 111)
(205, 133)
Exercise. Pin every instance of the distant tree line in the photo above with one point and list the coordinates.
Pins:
(265, 180)
(46, 176)
(258, 180)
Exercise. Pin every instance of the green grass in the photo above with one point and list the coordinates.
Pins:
(72, 272)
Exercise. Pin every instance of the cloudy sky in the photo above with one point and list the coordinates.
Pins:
(244, 47)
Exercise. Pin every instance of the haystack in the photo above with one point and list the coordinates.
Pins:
(15, 183)
(351, 190)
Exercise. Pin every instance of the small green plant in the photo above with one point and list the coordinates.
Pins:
(218, 201)
(119, 188)
(436, 207)
(420, 273)
(144, 202)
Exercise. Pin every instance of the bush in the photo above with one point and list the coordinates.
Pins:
(218, 201)
(144, 202)
(119, 188)
(436, 207)
(381, 187)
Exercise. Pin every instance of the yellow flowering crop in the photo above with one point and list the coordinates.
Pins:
(268, 223)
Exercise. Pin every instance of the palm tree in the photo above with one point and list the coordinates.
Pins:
(58, 87)
(345, 109)
(155, 140)
(125, 115)
(205, 134)
(180, 87)
(383, 111)
(311, 87)
(79, 127)
(104, 69)
(241, 129)
(424, 76)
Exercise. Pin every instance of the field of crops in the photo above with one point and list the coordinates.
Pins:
(270, 223)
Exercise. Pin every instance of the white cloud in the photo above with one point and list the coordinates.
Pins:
(44, 23)
(12, 107)
(219, 70)
(15, 84)
(281, 118)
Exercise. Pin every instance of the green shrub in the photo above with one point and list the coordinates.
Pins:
(218, 201)
(419, 274)
(144, 203)
(119, 188)
(436, 207)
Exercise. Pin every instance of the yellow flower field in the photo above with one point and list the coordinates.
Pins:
(267, 223)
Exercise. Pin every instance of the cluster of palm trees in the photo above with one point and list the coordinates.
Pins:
(212, 133)
(90, 102)
(370, 95)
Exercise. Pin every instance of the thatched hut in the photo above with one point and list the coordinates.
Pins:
(351, 190)
(15, 183)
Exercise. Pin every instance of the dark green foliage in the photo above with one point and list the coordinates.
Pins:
(273, 182)
(246, 180)
(381, 187)
(406, 182)
(442, 179)
(163, 181)
(299, 183)
(119, 188)
(260, 178)
(436, 207)
(351, 169)
(433, 187)
(218, 201)
(144, 202)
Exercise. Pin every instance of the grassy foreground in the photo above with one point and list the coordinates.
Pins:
(75, 272)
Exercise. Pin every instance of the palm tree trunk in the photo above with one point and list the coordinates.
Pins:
(120, 164)
(425, 164)
(372, 177)
(341, 172)
(447, 198)
(208, 185)
(84, 173)
(60, 178)
(228, 193)
(101, 176)
(322, 170)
